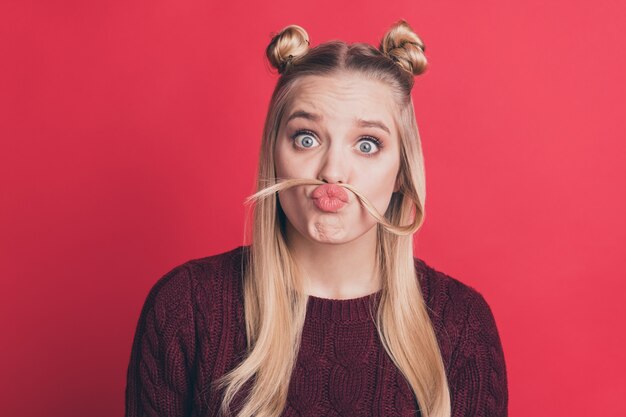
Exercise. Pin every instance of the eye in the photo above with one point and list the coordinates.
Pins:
(305, 139)
(369, 145)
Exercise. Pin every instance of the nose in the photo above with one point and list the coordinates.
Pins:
(333, 167)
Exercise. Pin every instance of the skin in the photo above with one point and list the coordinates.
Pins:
(336, 251)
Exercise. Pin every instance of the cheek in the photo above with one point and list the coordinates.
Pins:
(290, 166)
(284, 168)
(282, 163)
(382, 188)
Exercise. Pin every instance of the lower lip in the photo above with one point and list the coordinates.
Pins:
(330, 205)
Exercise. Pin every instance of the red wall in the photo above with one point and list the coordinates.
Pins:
(129, 136)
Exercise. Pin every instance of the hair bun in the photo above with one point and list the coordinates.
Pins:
(402, 44)
(287, 46)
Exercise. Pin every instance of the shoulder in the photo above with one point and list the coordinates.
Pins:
(459, 313)
(442, 291)
(206, 269)
(469, 342)
(181, 287)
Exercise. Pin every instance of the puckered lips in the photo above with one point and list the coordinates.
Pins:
(330, 197)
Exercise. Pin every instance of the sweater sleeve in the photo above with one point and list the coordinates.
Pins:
(159, 380)
(478, 380)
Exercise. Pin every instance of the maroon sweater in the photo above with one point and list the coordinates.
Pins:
(191, 331)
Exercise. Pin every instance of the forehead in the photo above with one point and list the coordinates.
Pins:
(344, 96)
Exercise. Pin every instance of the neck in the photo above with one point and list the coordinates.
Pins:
(337, 271)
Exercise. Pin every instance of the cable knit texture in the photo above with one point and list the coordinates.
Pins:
(191, 332)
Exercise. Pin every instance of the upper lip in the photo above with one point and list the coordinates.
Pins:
(330, 191)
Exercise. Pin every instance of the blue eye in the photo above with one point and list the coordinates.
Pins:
(369, 146)
(305, 139)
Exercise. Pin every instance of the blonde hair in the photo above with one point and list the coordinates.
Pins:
(274, 303)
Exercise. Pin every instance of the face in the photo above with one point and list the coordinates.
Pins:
(338, 129)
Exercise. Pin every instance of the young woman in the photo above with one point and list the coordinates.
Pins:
(327, 312)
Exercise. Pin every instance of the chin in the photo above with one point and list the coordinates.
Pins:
(328, 233)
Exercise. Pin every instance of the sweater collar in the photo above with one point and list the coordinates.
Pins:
(353, 310)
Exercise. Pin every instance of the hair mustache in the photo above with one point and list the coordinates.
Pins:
(284, 184)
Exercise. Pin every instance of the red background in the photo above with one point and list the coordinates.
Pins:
(130, 133)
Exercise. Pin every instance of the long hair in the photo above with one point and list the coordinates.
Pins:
(274, 303)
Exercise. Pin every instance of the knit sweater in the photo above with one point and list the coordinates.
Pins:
(191, 331)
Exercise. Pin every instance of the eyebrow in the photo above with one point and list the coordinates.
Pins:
(303, 115)
(373, 123)
(360, 122)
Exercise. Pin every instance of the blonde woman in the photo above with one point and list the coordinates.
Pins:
(326, 312)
